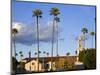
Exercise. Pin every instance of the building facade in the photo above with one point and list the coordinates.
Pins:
(60, 62)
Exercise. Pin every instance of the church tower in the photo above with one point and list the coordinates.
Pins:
(79, 45)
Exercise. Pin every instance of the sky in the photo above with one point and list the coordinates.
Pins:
(72, 19)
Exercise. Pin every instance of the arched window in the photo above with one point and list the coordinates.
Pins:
(32, 63)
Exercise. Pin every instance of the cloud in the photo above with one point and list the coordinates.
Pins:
(27, 34)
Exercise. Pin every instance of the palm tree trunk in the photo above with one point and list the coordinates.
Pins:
(30, 59)
(84, 44)
(37, 42)
(14, 48)
(92, 41)
(21, 58)
(57, 40)
(57, 60)
(84, 41)
(14, 45)
(52, 42)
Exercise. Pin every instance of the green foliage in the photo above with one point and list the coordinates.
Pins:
(67, 53)
(22, 65)
(92, 33)
(54, 11)
(84, 30)
(82, 55)
(37, 13)
(21, 68)
(14, 64)
(88, 57)
(14, 31)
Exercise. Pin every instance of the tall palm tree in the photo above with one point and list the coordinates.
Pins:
(92, 34)
(14, 32)
(54, 12)
(37, 13)
(57, 19)
(21, 55)
(84, 31)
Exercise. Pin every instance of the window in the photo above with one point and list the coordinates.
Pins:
(32, 63)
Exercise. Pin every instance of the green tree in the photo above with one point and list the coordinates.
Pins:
(92, 35)
(84, 31)
(47, 54)
(38, 14)
(16, 54)
(21, 68)
(35, 53)
(88, 58)
(67, 53)
(54, 12)
(82, 55)
(14, 64)
(44, 53)
(21, 55)
(39, 53)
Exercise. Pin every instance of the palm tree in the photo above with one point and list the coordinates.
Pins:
(35, 53)
(21, 55)
(37, 13)
(14, 32)
(44, 53)
(92, 35)
(57, 19)
(16, 54)
(29, 54)
(39, 52)
(54, 12)
(84, 31)
(43, 58)
(67, 53)
(30, 59)
(47, 54)
(76, 52)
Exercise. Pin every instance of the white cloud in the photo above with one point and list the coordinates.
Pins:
(27, 33)
(16, 25)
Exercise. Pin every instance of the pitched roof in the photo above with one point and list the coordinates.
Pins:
(47, 59)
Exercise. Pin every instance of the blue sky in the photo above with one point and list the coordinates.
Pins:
(72, 19)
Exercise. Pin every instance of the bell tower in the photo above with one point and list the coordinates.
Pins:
(79, 44)
(79, 65)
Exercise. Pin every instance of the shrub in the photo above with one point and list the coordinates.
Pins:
(88, 57)
(82, 55)
(14, 64)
